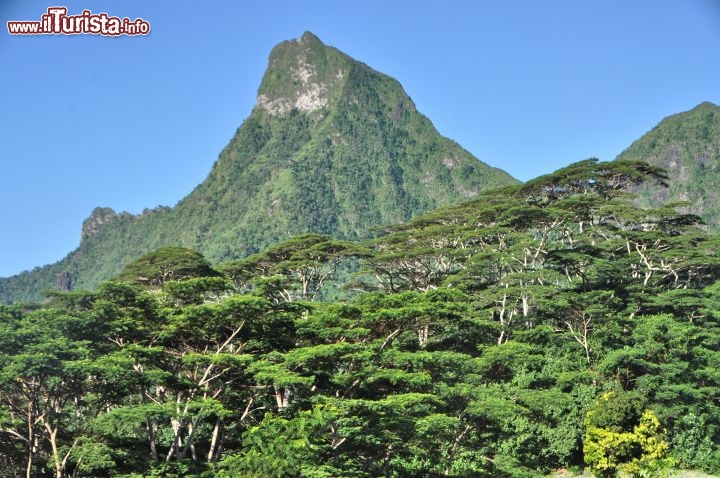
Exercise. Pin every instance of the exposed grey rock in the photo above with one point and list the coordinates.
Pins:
(99, 217)
(63, 281)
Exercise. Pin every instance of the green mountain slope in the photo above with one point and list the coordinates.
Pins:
(332, 146)
(687, 145)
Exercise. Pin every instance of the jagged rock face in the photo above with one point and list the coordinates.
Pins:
(98, 218)
(302, 74)
(63, 281)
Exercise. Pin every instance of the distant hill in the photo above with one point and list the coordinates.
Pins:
(331, 146)
(687, 145)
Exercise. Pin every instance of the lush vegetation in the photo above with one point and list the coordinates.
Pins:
(547, 326)
(687, 146)
(367, 158)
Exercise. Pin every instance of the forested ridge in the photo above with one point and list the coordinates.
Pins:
(331, 147)
(687, 146)
(545, 326)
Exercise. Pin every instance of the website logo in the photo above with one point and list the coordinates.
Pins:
(57, 22)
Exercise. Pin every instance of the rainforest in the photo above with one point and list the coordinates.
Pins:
(548, 326)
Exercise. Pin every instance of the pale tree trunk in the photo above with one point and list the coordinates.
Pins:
(52, 436)
(390, 337)
(216, 442)
(151, 438)
(189, 442)
(501, 316)
(282, 397)
(32, 440)
(581, 333)
(177, 440)
(305, 287)
(149, 427)
(505, 321)
(423, 335)
(456, 444)
(32, 444)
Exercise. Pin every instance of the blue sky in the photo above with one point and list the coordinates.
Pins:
(136, 122)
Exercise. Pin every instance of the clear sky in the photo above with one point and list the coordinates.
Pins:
(136, 122)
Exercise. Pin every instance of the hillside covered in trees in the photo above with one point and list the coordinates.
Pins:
(687, 146)
(545, 326)
(331, 147)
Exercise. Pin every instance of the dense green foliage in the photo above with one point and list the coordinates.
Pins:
(687, 145)
(365, 157)
(544, 326)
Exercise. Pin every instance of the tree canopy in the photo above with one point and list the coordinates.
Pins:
(553, 325)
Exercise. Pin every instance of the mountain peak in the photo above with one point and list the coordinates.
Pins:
(701, 110)
(98, 218)
(302, 74)
(332, 147)
(310, 38)
(706, 105)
